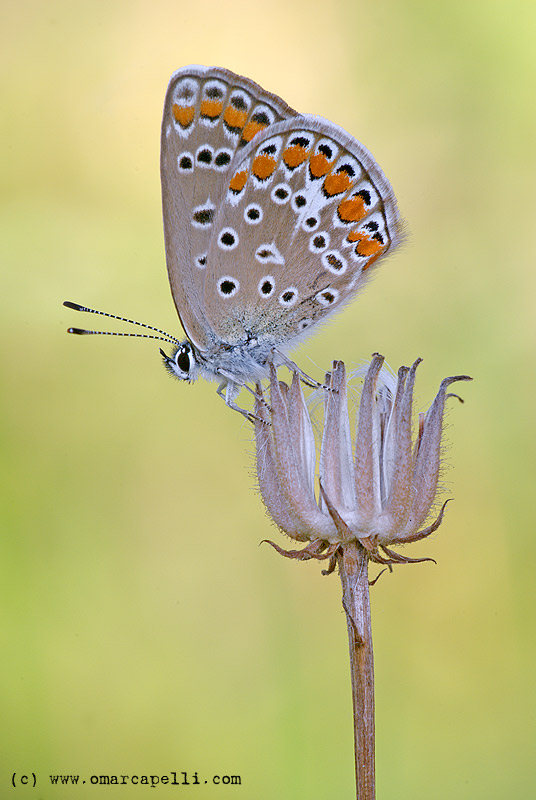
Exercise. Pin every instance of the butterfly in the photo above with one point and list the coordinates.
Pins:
(272, 222)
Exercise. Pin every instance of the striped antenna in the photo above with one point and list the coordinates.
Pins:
(82, 332)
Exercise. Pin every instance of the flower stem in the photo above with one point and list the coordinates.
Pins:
(353, 570)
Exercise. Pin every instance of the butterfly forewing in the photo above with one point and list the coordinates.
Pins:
(210, 115)
(305, 214)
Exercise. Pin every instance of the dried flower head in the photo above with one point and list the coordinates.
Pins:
(379, 493)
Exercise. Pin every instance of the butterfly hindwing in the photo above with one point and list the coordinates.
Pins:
(210, 116)
(305, 214)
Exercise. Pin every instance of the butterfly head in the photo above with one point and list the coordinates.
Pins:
(182, 364)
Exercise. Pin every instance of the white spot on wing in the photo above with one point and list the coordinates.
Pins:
(203, 215)
(327, 297)
(289, 296)
(228, 286)
(280, 194)
(253, 214)
(204, 156)
(319, 242)
(227, 239)
(264, 290)
(269, 254)
(335, 262)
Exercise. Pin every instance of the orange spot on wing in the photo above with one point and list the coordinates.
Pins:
(183, 114)
(336, 184)
(351, 210)
(319, 165)
(211, 108)
(371, 261)
(294, 156)
(234, 117)
(238, 181)
(369, 247)
(252, 129)
(366, 246)
(263, 166)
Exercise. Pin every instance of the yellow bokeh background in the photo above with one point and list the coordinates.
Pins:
(143, 628)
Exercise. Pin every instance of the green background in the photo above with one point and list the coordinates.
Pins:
(142, 628)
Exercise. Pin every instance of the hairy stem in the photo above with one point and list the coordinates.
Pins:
(353, 569)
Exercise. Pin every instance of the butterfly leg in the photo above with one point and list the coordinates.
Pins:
(256, 395)
(287, 362)
(228, 390)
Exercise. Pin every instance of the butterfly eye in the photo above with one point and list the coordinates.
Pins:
(183, 360)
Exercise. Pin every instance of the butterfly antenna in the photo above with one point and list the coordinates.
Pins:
(83, 332)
